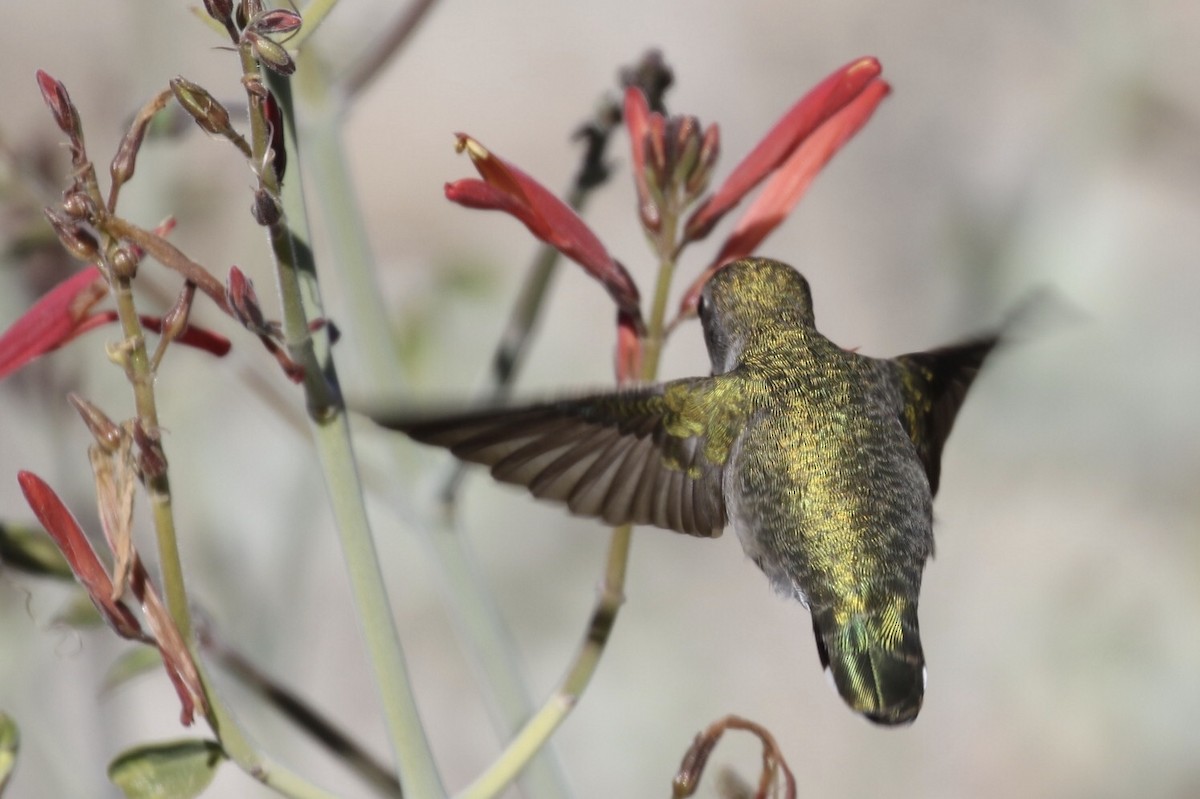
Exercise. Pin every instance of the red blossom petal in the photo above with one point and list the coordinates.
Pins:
(75, 547)
(199, 337)
(791, 181)
(59, 102)
(629, 349)
(548, 218)
(56, 318)
(637, 122)
(825, 100)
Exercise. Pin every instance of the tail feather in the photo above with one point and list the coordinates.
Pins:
(878, 674)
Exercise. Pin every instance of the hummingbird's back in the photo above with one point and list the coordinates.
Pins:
(830, 499)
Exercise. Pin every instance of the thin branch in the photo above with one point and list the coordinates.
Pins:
(385, 47)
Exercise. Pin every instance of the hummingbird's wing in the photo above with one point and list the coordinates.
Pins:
(647, 455)
(934, 385)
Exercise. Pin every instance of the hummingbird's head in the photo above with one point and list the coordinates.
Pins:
(747, 300)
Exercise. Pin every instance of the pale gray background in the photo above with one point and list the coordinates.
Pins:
(1026, 144)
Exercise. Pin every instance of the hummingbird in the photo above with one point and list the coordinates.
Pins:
(823, 460)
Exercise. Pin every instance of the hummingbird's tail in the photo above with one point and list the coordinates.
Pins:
(876, 661)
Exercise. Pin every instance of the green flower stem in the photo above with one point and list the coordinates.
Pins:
(537, 731)
(242, 752)
(465, 592)
(133, 356)
(301, 302)
(158, 487)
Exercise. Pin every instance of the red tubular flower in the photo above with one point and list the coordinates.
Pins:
(60, 315)
(810, 113)
(790, 178)
(75, 547)
(628, 361)
(65, 312)
(637, 122)
(91, 574)
(506, 188)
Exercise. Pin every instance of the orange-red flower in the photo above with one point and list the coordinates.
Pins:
(66, 312)
(506, 188)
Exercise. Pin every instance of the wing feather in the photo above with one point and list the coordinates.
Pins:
(632, 456)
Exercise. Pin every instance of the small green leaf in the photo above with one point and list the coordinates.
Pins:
(10, 742)
(32, 551)
(168, 770)
(134, 663)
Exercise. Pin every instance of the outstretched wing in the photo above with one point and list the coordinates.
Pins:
(934, 385)
(646, 455)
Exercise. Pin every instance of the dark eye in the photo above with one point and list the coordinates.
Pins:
(701, 306)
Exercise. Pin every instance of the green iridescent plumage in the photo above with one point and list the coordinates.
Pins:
(823, 460)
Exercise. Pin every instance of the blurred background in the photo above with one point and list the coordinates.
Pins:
(1026, 145)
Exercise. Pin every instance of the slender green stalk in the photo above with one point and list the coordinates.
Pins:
(302, 302)
(542, 725)
(385, 47)
(237, 745)
(474, 609)
(313, 15)
(133, 356)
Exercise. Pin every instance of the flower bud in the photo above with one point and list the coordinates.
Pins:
(106, 432)
(210, 115)
(78, 241)
(270, 54)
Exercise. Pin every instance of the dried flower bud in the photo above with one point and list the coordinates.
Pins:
(125, 160)
(653, 76)
(274, 116)
(222, 11)
(77, 204)
(152, 460)
(275, 21)
(270, 54)
(265, 208)
(210, 115)
(59, 102)
(124, 262)
(701, 173)
(243, 302)
(684, 141)
(78, 241)
(107, 433)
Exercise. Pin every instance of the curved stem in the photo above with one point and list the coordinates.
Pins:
(542, 725)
